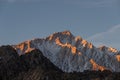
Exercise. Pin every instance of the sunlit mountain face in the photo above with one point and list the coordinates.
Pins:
(60, 56)
(34, 65)
(72, 53)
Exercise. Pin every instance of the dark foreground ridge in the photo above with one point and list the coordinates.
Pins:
(34, 66)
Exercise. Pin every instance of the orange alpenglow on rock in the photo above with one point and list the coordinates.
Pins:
(58, 41)
(24, 45)
(67, 32)
(73, 48)
(78, 38)
(112, 50)
(86, 44)
(96, 66)
(118, 57)
(28, 47)
(90, 45)
(51, 37)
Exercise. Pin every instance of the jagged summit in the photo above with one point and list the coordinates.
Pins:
(67, 37)
(65, 34)
(109, 49)
(73, 53)
(24, 47)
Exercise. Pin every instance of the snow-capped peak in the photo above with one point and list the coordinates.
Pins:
(71, 53)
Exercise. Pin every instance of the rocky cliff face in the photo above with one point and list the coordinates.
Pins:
(71, 53)
(34, 66)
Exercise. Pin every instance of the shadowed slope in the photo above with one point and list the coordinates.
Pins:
(34, 66)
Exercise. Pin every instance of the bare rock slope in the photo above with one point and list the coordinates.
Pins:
(70, 53)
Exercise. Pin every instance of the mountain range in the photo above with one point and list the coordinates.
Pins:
(71, 53)
(60, 56)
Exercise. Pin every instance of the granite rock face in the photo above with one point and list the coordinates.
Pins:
(34, 66)
(70, 53)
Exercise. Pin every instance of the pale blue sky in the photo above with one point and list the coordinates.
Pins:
(21, 20)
